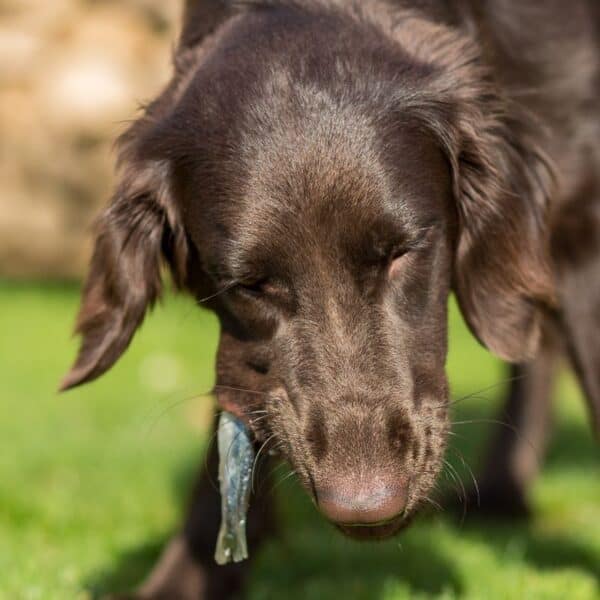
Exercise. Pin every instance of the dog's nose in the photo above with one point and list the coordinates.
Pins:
(364, 505)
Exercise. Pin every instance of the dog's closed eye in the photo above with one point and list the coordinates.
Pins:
(267, 291)
(256, 287)
(397, 261)
(400, 254)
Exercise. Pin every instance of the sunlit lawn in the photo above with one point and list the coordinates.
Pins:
(92, 482)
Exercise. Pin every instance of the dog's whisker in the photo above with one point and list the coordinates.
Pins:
(218, 293)
(281, 481)
(476, 394)
(259, 414)
(510, 426)
(456, 477)
(468, 467)
(433, 503)
(274, 469)
(266, 459)
(450, 475)
(219, 386)
(258, 419)
(169, 408)
(256, 458)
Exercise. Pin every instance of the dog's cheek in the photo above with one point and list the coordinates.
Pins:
(242, 378)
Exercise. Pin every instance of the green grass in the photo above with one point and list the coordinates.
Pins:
(92, 482)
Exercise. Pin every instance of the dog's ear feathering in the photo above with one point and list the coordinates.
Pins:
(502, 185)
(503, 181)
(502, 274)
(137, 233)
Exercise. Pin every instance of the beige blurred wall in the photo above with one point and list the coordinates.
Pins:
(72, 72)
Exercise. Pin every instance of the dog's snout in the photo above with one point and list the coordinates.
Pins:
(366, 504)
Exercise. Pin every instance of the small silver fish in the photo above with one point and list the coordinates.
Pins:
(236, 455)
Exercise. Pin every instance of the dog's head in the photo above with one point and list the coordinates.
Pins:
(323, 187)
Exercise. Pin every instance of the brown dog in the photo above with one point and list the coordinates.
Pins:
(322, 173)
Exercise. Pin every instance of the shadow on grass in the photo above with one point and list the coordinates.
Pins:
(127, 570)
(311, 560)
(572, 448)
(544, 552)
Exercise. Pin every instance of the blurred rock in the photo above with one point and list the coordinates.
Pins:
(72, 73)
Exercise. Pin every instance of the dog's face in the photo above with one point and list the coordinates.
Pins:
(332, 278)
(323, 208)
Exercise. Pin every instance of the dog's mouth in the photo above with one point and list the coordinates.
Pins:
(374, 531)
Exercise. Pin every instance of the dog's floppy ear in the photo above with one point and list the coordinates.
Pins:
(502, 275)
(139, 231)
(502, 185)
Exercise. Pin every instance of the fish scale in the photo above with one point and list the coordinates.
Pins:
(236, 456)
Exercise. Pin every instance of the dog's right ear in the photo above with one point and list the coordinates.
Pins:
(139, 231)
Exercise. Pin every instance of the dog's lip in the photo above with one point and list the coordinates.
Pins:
(373, 524)
(373, 531)
(226, 400)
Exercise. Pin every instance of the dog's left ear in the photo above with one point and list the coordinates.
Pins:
(502, 277)
(137, 233)
(502, 185)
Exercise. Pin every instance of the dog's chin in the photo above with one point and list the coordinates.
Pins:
(374, 532)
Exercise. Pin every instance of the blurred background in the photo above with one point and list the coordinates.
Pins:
(71, 73)
(93, 482)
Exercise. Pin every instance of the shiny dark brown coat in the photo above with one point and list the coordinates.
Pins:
(322, 174)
